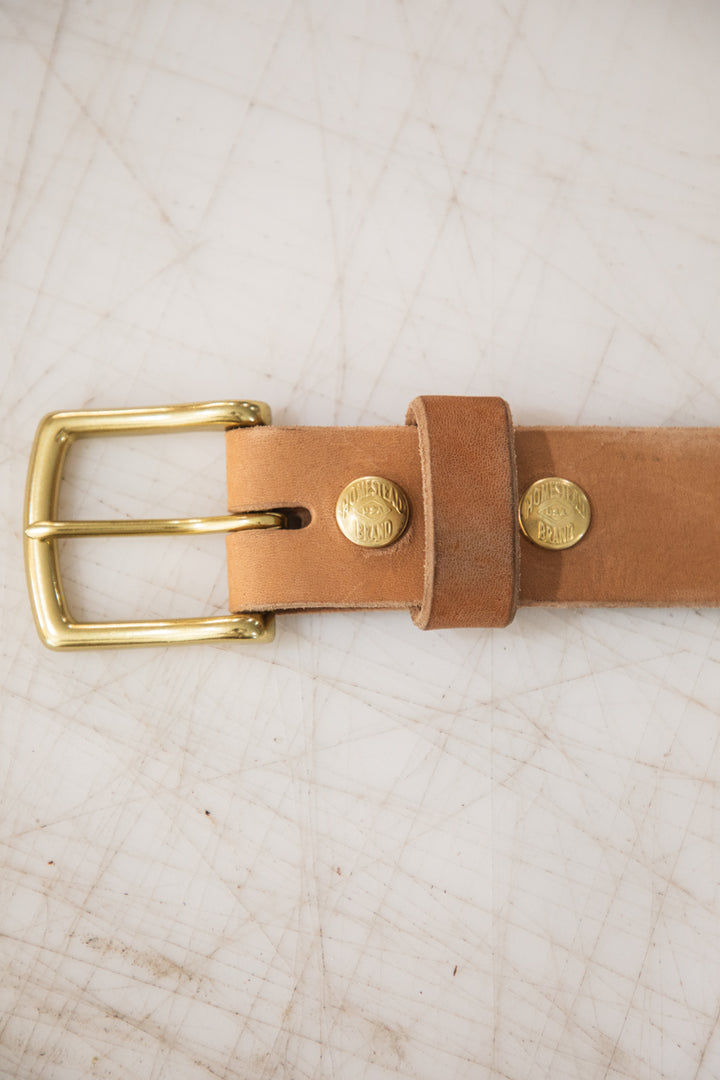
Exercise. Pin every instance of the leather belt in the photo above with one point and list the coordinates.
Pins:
(457, 516)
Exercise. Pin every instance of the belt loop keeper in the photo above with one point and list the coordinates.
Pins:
(472, 553)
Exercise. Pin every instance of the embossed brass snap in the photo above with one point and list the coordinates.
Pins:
(554, 513)
(372, 511)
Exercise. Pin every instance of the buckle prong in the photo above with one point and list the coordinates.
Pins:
(56, 433)
(226, 523)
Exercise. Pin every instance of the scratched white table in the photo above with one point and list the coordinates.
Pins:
(362, 851)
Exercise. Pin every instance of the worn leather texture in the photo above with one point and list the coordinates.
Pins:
(653, 541)
(471, 527)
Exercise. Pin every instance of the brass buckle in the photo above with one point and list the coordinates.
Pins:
(55, 435)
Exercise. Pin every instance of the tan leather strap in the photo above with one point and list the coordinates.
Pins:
(317, 567)
(654, 538)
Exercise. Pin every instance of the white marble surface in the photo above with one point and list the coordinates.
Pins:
(362, 851)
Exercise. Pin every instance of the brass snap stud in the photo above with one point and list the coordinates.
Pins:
(554, 513)
(372, 512)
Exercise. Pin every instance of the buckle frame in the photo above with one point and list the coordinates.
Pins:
(55, 435)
